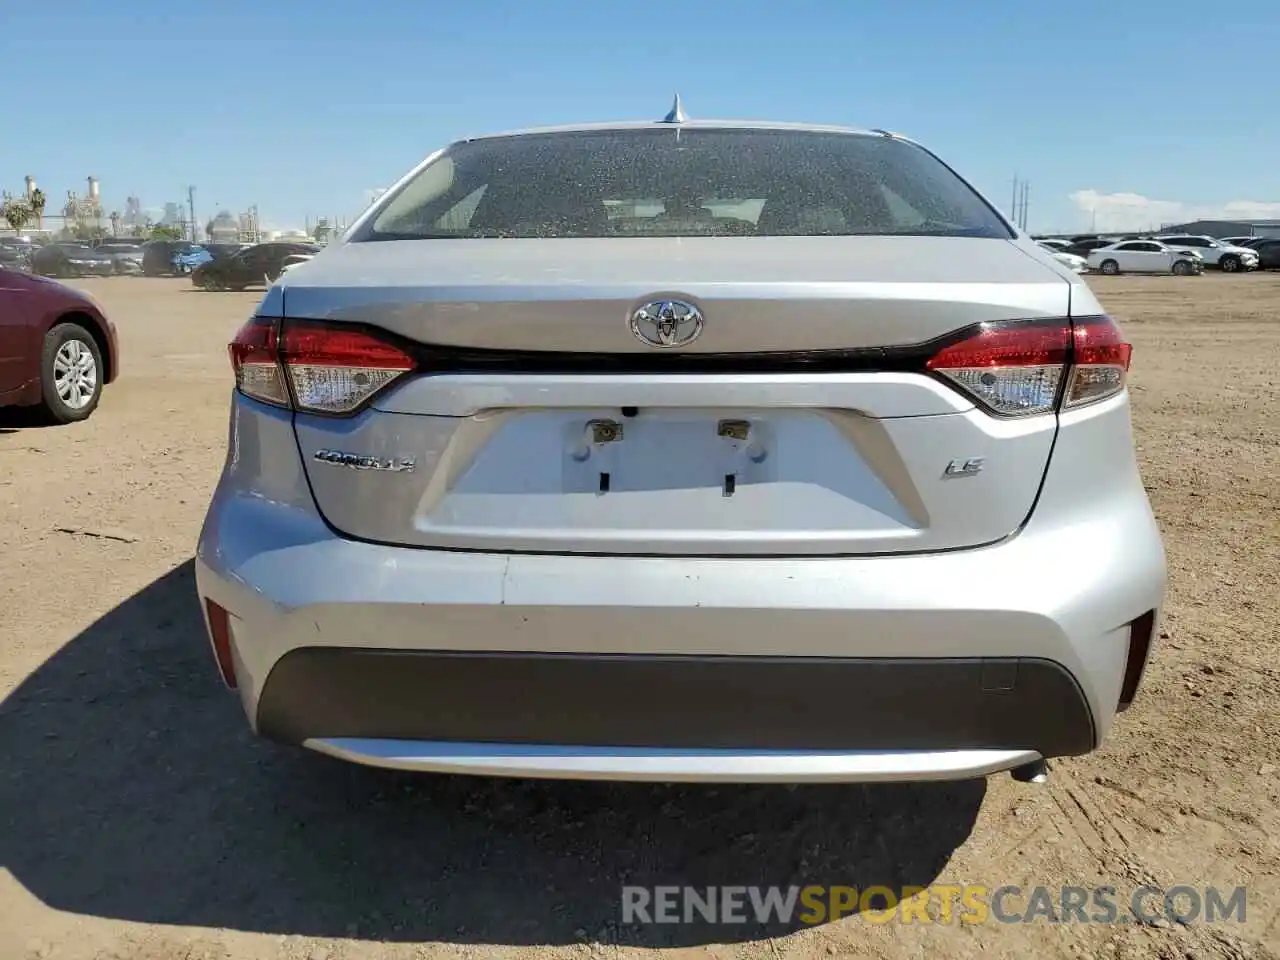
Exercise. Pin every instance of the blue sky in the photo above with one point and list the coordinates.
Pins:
(1140, 111)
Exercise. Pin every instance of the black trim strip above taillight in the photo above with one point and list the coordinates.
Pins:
(437, 359)
(905, 358)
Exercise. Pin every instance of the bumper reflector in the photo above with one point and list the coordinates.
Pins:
(220, 636)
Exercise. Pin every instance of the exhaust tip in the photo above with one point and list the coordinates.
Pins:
(1037, 771)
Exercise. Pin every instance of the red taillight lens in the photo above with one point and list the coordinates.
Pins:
(1099, 362)
(331, 368)
(1016, 369)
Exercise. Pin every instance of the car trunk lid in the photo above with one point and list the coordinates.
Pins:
(538, 420)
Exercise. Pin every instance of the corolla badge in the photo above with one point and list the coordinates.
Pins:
(357, 462)
(667, 323)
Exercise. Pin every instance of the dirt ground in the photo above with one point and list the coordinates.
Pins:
(138, 818)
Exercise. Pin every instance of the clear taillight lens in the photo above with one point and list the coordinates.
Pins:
(1013, 369)
(1016, 369)
(330, 369)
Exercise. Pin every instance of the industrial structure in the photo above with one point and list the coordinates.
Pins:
(1225, 228)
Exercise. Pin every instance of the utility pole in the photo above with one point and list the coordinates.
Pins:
(1018, 210)
(191, 208)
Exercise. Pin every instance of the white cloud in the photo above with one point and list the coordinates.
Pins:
(1133, 211)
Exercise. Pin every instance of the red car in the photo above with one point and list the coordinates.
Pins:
(57, 349)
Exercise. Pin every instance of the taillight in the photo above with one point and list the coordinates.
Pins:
(327, 368)
(1099, 362)
(255, 360)
(1014, 369)
(1018, 369)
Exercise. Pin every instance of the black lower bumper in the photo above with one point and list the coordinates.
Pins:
(775, 703)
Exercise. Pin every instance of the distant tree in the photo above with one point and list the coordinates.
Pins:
(17, 213)
(88, 231)
(115, 223)
(167, 231)
(37, 200)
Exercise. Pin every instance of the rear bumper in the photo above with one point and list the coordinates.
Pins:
(844, 668)
(677, 702)
(671, 766)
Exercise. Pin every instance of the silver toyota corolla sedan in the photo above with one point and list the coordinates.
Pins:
(683, 451)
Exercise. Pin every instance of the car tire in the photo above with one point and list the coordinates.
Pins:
(1182, 268)
(71, 374)
(1230, 263)
(1110, 268)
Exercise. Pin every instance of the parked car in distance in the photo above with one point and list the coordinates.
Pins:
(57, 347)
(15, 257)
(261, 265)
(1143, 256)
(1082, 248)
(157, 256)
(23, 244)
(126, 256)
(1054, 244)
(1268, 251)
(293, 260)
(1237, 241)
(1070, 260)
(71, 260)
(190, 258)
(161, 258)
(219, 250)
(540, 470)
(1215, 253)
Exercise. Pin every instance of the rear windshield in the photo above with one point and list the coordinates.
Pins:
(680, 182)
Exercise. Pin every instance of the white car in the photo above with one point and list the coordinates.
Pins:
(1070, 260)
(1143, 256)
(1236, 241)
(1055, 245)
(1216, 253)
